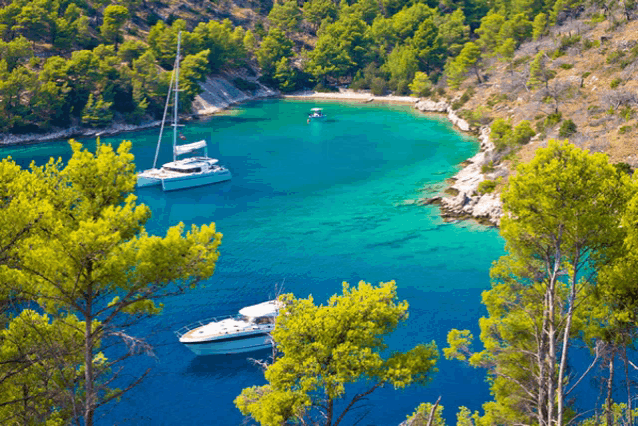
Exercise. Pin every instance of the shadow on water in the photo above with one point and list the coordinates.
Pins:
(220, 366)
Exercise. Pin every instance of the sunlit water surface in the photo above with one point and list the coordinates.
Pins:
(310, 206)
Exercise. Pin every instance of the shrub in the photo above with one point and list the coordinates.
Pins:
(324, 89)
(495, 99)
(615, 56)
(567, 66)
(585, 74)
(568, 41)
(624, 129)
(421, 84)
(476, 117)
(467, 95)
(487, 168)
(626, 112)
(567, 129)
(501, 131)
(487, 186)
(378, 86)
(615, 83)
(588, 44)
(624, 168)
(523, 133)
(552, 119)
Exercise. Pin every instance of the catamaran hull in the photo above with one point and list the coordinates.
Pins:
(143, 181)
(231, 345)
(182, 182)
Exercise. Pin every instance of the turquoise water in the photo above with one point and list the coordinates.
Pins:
(310, 206)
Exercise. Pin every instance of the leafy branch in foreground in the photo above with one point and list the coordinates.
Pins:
(326, 348)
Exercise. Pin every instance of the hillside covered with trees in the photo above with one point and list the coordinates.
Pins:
(89, 63)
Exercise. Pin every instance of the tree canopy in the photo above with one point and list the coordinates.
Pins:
(326, 348)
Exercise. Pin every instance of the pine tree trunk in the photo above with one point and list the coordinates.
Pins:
(89, 404)
(329, 412)
(628, 385)
(610, 386)
(563, 357)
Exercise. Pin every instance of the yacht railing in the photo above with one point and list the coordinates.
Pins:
(250, 326)
(201, 323)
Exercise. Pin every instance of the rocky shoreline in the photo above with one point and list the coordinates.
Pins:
(462, 200)
(219, 94)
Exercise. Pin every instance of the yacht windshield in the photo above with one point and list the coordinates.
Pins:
(191, 170)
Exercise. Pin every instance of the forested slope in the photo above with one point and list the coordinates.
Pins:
(90, 63)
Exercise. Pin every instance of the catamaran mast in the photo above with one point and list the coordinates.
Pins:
(168, 101)
(176, 105)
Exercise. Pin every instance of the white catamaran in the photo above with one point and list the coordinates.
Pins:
(186, 172)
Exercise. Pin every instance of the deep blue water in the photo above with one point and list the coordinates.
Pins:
(310, 206)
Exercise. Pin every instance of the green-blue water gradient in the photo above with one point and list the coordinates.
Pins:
(311, 205)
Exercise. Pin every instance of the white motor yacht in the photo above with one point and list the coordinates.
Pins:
(316, 114)
(246, 332)
(187, 172)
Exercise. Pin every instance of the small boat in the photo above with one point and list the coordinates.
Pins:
(316, 114)
(246, 332)
(187, 172)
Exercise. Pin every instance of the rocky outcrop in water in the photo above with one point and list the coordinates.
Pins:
(462, 199)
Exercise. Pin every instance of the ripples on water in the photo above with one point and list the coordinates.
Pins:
(310, 206)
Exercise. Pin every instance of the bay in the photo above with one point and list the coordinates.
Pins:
(311, 205)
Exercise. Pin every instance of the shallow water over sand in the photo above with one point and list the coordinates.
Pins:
(310, 206)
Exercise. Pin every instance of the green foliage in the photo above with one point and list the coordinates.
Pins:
(552, 119)
(557, 208)
(504, 136)
(315, 11)
(466, 96)
(378, 86)
(421, 84)
(467, 59)
(624, 168)
(115, 16)
(539, 26)
(615, 83)
(523, 132)
(487, 186)
(539, 74)
(624, 129)
(285, 16)
(567, 66)
(421, 416)
(620, 415)
(588, 44)
(273, 48)
(75, 249)
(488, 168)
(327, 347)
(97, 113)
(567, 128)
(341, 50)
(500, 133)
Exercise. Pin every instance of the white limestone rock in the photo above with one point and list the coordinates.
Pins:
(428, 105)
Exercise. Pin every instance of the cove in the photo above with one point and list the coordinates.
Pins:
(310, 205)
